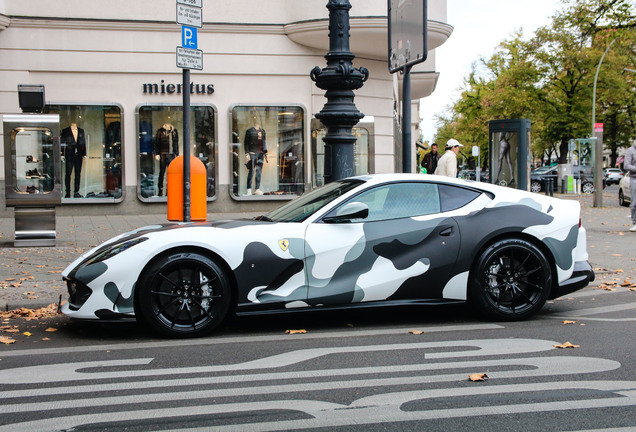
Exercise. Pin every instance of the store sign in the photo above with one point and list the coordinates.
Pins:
(167, 88)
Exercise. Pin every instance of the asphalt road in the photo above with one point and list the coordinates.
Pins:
(401, 369)
(396, 369)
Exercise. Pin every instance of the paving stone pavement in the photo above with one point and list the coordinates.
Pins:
(30, 277)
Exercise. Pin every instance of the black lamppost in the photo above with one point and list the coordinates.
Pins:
(339, 79)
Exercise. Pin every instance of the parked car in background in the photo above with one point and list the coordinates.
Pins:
(624, 193)
(470, 175)
(540, 176)
(613, 175)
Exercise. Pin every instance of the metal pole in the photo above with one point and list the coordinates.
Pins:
(186, 145)
(406, 120)
(598, 160)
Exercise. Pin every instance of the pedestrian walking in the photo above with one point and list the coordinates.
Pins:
(447, 164)
(430, 159)
(630, 166)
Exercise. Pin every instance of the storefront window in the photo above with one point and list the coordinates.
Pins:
(160, 129)
(268, 156)
(362, 148)
(90, 141)
(32, 148)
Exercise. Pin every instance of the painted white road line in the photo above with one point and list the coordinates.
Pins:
(533, 367)
(375, 409)
(64, 372)
(345, 333)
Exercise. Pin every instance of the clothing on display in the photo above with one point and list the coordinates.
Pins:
(255, 146)
(166, 148)
(73, 145)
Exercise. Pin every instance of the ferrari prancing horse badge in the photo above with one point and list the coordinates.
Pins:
(284, 244)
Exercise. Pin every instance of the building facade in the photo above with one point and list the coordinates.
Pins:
(109, 71)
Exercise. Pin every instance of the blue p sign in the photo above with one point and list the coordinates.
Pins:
(189, 37)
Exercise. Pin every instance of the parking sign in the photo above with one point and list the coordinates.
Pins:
(189, 37)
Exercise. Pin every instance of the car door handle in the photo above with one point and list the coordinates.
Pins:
(446, 232)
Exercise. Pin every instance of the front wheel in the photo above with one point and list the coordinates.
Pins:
(587, 187)
(511, 280)
(185, 294)
(535, 187)
(621, 198)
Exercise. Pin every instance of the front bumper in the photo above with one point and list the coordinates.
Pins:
(581, 277)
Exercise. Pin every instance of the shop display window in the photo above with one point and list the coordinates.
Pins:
(90, 141)
(268, 156)
(32, 149)
(160, 129)
(361, 150)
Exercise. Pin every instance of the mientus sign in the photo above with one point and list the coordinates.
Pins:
(163, 88)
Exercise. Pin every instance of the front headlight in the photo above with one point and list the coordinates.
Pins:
(113, 250)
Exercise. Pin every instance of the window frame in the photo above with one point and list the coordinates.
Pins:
(287, 197)
(163, 199)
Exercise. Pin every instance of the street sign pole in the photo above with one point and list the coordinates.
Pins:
(186, 145)
(190, 16)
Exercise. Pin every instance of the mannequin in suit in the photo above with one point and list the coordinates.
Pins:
(166, 148)
(73, 144)
(255, 151)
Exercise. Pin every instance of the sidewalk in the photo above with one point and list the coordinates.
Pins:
(30, 277)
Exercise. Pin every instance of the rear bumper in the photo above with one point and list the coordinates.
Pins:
(581, 277)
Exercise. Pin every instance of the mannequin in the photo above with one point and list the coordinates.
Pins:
(73, 144)
(255, 151)
(166, 148)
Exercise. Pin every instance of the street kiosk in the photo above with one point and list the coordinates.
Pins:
(510, 154)
(32, 175)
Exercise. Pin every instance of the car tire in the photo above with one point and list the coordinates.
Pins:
(587, 187)
(535, 187)
(184, 294)
(511, 280)
(621, 199)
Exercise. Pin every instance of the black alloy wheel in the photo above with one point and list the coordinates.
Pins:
(511, 280)
(183, 295)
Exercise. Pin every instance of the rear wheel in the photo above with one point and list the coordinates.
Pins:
(535, 187)
(185, 294)
(621, 198)
(511, 280)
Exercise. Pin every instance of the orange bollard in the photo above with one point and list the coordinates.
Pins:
(198, 196)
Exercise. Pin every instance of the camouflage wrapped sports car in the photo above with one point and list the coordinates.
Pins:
(371, 240)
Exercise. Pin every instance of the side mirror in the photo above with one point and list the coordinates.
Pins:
(344, 214)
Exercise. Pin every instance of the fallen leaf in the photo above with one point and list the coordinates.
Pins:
(29, 314)
(6, 340)
(291, 332)
(46, 339)
(567, 345)
(569, 322)
(27, 333)
(33, 297)
(416, 332)
(51, 329)
(478, 377)
(617, 255)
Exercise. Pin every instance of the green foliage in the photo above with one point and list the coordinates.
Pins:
(549, 79)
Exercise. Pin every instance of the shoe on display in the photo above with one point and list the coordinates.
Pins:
(77, 195)
(31, 189)
(249, 192)
(67, 195)
(29, 158)
(258, 192)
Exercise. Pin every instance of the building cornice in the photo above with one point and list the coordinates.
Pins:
(126, 25)
(4, 22)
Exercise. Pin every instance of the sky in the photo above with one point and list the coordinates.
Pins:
(479, 26)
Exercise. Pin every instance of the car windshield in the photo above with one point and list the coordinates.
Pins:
(541, 170)
(301, 208)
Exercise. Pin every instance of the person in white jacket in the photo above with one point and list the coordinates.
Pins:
(447, 164)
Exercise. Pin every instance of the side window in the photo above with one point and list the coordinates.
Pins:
(454, 197)
(400, 200)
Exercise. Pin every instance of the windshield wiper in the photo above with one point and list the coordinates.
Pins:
(263, 218)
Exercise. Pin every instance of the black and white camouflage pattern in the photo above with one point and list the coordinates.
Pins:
(295, 265)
